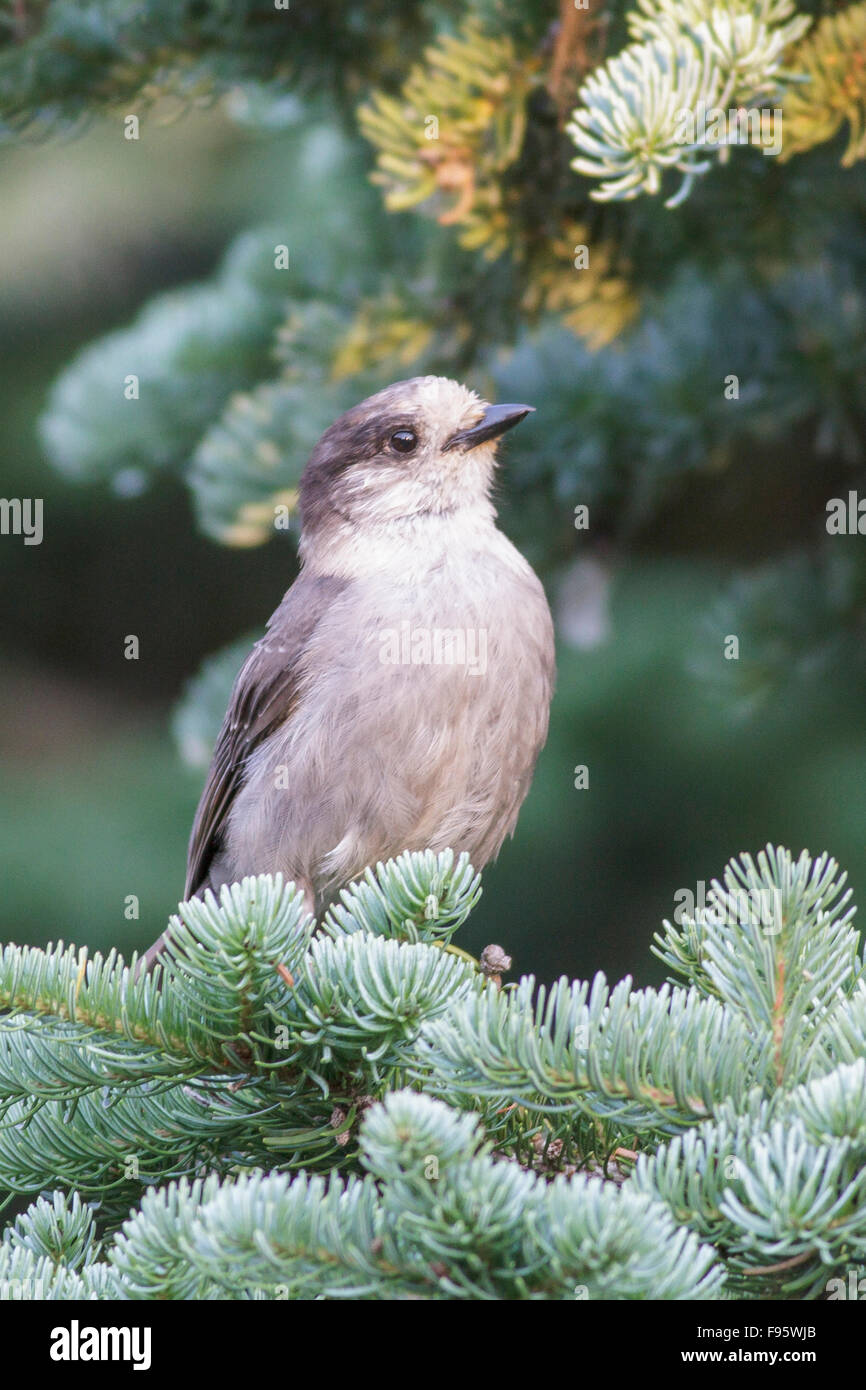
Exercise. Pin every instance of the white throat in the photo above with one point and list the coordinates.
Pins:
(408, 544)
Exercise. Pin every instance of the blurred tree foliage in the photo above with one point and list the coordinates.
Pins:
(681, 309)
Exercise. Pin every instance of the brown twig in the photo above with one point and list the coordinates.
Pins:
(783, 1264)
(572, 58)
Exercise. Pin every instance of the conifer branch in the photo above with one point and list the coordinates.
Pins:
(833, 60)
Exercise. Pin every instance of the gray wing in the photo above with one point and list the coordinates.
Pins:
(264, 696)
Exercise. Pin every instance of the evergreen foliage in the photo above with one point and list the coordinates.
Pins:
(473, 1141)
(832, 59)
(696, 57)
(492, 136)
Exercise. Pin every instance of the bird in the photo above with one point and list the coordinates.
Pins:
(400, 696)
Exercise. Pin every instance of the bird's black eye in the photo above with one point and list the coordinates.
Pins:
(404, 441)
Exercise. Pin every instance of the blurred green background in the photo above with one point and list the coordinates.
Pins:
(95, 803)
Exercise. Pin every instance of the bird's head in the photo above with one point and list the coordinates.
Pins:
(424, 447)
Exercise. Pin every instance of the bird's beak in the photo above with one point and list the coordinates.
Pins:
(495, 421)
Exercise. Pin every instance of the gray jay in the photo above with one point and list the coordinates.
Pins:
(400, 697)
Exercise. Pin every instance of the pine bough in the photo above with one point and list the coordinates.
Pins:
(355, 1110)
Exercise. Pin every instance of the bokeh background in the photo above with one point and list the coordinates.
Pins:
(686, 768)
